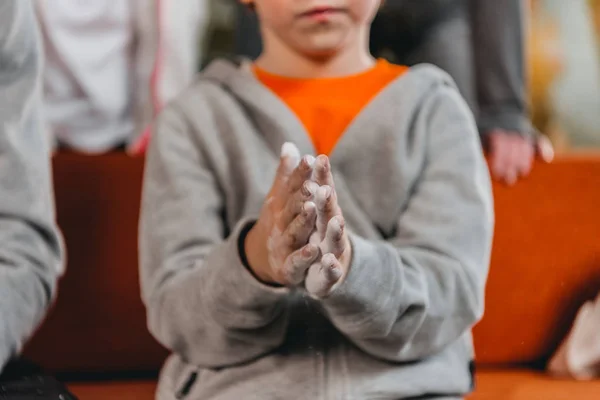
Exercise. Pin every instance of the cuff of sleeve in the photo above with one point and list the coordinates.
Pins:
(246, 292)
(4, 355)
(508, 120)
(369, 292)
(242, 250)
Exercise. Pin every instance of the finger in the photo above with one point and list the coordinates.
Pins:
(301, 173)
(544, 149)
(323, 276)
(326, 208)
(290, 157)
(509, 175)
(315, 237)
(496, 154)
(297, 264)
(287, 160)
(334, 238)
(525, 156)
(512, 160)
(322, 172)
(502, 168)
(299, 230)
(496, 162)
(296, 201)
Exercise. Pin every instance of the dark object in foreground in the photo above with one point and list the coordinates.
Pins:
(22, 380)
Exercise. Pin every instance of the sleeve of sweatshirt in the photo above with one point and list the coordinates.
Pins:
(30, 245)
(410, 297)
(202, 303)
(498, 29)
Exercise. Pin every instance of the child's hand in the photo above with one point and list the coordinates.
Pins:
(330, 235)
(277, 246)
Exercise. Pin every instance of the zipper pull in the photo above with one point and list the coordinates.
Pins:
(187, 387)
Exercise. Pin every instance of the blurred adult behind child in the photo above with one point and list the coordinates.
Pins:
(113, 64)
(480, 43)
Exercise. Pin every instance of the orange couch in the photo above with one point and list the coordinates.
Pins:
(546, 263)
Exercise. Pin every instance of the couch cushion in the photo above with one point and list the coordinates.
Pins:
(99, 322)
(545, 261)
(491, 385)
(545, 264)
(530, 385)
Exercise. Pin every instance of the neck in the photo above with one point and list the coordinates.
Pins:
(280, 59)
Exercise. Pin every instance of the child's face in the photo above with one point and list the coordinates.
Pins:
(315, 27)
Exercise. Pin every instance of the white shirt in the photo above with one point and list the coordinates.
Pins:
(88, 75)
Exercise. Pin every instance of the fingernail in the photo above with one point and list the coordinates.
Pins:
(308, 251)
(313, 187)
(308, 208)
(307, 191)
(331, 269)
(324, 193)
(289, 149)
(337, 224)
(328, 260)
(290, 156)
(309, 160)
(334, 273)
(323, 161)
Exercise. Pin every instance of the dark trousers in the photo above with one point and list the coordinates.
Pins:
(23, 380)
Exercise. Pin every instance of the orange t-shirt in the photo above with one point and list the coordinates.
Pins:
(326, 106)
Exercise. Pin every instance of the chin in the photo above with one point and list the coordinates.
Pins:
(321, 53)
(323, 47)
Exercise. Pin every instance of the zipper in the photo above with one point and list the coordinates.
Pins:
(187, 386)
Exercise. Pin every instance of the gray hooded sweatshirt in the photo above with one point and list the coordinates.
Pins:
(415, 191)
(30, 246)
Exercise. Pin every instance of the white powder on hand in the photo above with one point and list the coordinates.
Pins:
(291, 156)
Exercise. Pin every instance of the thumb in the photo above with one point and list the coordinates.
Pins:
(322, 276)
(289, 159)
(544, 148)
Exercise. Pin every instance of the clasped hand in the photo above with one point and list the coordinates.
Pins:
(300, 237)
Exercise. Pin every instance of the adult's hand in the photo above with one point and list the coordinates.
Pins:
(512, 155)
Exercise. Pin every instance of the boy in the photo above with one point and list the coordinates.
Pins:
(30, 244)
(363, 271)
